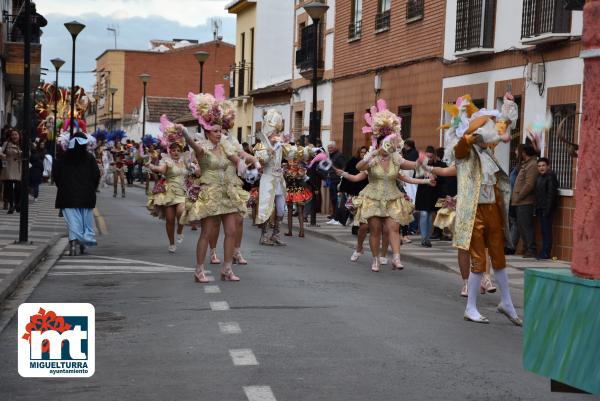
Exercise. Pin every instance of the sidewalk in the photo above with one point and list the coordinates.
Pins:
(441, 255)
(45, 229)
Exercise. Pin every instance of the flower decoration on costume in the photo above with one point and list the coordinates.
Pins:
(211, 111)
(381, 122)
(171, 133)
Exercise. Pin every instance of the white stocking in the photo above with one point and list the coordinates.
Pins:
(506, 301)
(472, 290)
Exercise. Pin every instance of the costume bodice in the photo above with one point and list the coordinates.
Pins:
(214, 167)
(382, 181)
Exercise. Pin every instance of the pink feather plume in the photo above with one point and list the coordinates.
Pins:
(318, 158)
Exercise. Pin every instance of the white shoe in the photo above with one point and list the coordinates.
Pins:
(336, 223)
(383, 260)
(355, 256)
(172, 248)
(332, 221)
(179, 238)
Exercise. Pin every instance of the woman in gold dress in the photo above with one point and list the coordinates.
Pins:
(168, 198)
(381, 204)
(222, 199)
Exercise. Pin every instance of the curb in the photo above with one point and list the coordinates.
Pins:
(12, 281)
(405, 256)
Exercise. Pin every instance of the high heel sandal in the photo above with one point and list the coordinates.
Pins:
(227, 274)
(239, 259)
(301, 234)
(486, 285)
(375, 265)
(288, 234)
(214, 260)
(199, 276)
(396, 263)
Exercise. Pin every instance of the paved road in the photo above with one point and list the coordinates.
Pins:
(303, 324)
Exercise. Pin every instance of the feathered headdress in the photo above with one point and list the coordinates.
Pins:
(272, 122)
(381, 122)
(171, 133)
(212, 111)
(100, 134)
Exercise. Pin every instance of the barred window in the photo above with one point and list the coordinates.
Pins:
(415, 9)
(558, 151)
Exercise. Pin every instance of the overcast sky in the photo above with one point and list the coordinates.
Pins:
(138, 22)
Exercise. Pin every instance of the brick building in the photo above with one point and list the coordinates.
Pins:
(173, 69)
(391, 50)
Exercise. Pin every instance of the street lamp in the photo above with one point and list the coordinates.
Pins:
(144, 78)
(57, 63)
(96, 100)
(316, 10)
(74, 29)
(112, 108)
(201, 56)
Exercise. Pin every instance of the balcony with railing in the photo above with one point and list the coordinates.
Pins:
(354, 30)
(415, 10)
(475, 23)
(305, 55)
(382, 21)
(544, 21)
(12, 47)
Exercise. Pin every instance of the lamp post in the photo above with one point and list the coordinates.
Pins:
(96, 99)
(201, 56)
(57, 63)
(316, 10)
(74, 29)
(112, 108)
(144, 78)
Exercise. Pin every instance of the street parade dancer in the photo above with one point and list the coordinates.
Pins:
(381, 204)
(167, 200)
(482, 200)
(271, 151)
(221, 199)
(298, 193)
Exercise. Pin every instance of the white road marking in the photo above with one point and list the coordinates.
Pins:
(230, 328)
(16, 254)
(111, 267)
(19, 246)
(10, 262)
(6, 271)
(259, 393)
(219, 306)
(243, 357)
(212, 289)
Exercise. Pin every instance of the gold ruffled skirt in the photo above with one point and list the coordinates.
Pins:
(216, 200)
(399, 209)
(445, 219)
(173, 195)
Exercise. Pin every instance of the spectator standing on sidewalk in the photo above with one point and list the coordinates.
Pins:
(10, 156)
(36, 169)
(77, 176)
(350, 189)
(425, 202)
(410, 153)
(546, 190)
(512, 215)
(523, 199)
(339, 161)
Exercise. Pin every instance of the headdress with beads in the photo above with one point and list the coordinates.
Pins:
(383, 124)
(171, 133)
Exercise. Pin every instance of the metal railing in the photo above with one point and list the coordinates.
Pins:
(355, 30)
(544, 16)
(475, 20)
(561, 160)
(415, 9)
(305, 54)
(382, 20)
